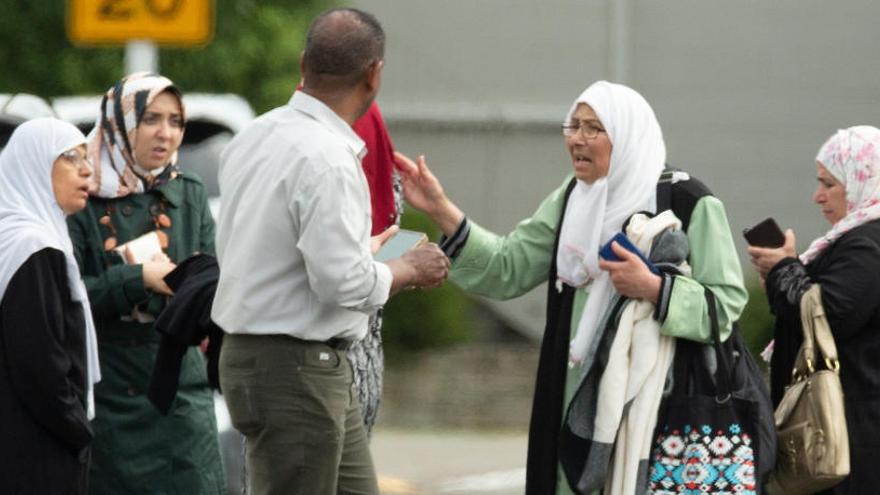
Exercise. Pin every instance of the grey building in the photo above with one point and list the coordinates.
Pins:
(745, 91)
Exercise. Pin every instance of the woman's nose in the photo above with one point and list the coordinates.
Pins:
(86, 170)
(164, 129)
(576, 138)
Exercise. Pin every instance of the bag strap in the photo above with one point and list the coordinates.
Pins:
(664, 191)
(817, 333)
(725, 370)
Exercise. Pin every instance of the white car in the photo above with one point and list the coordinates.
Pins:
(16, 108)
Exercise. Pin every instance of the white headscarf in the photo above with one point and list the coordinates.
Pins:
(852, 156)
(595, 212)
(31, 218)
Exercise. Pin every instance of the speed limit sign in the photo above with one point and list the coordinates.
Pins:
(177, 22)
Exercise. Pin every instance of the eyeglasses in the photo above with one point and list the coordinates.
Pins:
(73, 156)
(587, 129)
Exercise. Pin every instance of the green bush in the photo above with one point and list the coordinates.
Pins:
(417, 319)
(254, 53)
(756, 322)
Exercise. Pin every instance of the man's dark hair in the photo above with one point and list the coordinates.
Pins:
(340, 46)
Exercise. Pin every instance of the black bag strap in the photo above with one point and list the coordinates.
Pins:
(724, 373)
(664, 191)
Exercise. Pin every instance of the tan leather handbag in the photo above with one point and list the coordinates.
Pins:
(813, 447)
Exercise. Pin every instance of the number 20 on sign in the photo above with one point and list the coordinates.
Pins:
(177, 22)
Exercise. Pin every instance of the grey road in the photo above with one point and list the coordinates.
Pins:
(449, 462)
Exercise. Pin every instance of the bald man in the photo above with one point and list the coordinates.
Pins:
(298, 280)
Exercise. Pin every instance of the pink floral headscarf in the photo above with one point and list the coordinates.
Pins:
(852, 156)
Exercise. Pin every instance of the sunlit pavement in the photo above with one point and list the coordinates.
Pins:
(449, 462)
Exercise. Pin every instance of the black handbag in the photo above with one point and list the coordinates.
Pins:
(709, 433)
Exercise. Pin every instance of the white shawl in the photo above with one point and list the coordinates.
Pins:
(631, 386)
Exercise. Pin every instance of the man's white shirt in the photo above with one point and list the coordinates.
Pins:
(293, 236)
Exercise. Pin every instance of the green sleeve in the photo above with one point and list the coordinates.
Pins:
(116, 289)
(715, 265)
(509, 266)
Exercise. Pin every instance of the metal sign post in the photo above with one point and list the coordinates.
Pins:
(141, 55)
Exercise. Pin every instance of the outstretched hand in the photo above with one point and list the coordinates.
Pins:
(423, 191)
(631, 276)
(421, 188)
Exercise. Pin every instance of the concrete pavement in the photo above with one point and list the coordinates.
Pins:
(438, 462)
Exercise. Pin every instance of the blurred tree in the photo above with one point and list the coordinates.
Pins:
(254, 53)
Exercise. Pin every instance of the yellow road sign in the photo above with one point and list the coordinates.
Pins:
(177, 22)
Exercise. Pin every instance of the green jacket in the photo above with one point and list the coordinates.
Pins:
(508, 266)
(137, 449)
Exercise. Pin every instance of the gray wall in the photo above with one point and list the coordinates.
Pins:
(746, 92)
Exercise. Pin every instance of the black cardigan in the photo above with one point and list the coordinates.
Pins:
(849, 274)
(547, 406)
(44, 430)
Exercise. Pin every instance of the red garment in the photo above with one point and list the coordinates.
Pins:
(378, 167)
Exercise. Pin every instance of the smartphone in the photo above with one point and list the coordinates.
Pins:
(620, 238)
(765, 234)
(401, 242)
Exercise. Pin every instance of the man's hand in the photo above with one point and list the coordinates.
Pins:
(424, 192)
(630, 276)
(424, 267)
(764, 259)
(377, 241)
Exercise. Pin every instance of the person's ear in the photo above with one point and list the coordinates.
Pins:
(302, 67)
(374, 75)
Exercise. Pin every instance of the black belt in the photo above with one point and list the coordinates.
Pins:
(337, 343)
(340, 344)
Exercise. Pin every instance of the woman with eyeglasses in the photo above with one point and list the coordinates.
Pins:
(48, 351)
(145, 217)
(618, 155)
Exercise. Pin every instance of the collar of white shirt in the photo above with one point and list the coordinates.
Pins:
(316, 109)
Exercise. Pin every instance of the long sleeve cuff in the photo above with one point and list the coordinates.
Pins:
(788, 278)
(452, 245)
(379, 296)
(131, 279)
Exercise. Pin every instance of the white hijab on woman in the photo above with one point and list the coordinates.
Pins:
(31, 218)
(595, 212)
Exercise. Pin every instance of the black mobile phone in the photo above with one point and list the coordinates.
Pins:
(765, 234)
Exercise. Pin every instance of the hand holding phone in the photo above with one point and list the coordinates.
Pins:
(401, 242)
(621, 239)
(765, 234)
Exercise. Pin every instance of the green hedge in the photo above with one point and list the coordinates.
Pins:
(421, 319)
(756, 322)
